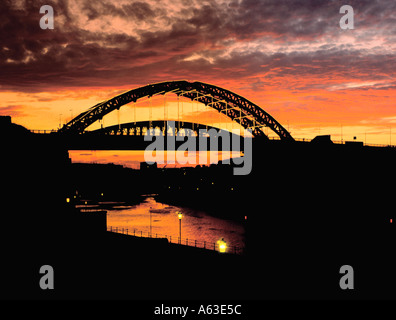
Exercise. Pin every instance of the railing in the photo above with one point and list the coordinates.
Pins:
(42, 131)
(91, 210)
(341, 142)
(176, 240)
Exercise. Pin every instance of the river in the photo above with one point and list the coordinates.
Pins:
(195, 224)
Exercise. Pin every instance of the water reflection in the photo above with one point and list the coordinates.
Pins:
(196, 225)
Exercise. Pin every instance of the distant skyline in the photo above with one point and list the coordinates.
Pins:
(289, 57)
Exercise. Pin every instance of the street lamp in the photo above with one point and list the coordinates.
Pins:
(222, 245)
(180, 216)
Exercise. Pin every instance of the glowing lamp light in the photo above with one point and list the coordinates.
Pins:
(222, 245)
(67, 200)
(179, 215)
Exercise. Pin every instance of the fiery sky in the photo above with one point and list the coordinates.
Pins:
(290, 57)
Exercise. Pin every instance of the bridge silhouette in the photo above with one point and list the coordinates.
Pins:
(76, 135)
(237, 108)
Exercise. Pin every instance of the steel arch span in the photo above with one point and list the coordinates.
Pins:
(247, 114)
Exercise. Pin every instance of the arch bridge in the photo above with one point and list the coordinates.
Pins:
(240, 110)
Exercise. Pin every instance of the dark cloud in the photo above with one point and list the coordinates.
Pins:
(32, 59)
(139, 10)
(135, 10)
(291, 19)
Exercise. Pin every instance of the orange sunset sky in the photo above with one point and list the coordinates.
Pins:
(289, 57)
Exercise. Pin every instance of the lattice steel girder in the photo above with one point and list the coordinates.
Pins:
(125, 128)
(233, 105)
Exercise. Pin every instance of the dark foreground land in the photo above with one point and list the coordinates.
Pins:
(311, 208)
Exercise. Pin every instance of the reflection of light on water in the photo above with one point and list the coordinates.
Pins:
(196, 225)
